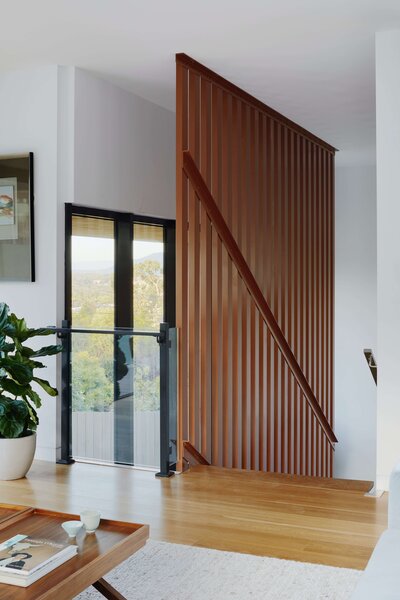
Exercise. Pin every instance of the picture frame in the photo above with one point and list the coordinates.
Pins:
(17, 240)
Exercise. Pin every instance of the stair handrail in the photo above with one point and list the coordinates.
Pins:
(373, 367)
(195, 453)
(218, 221)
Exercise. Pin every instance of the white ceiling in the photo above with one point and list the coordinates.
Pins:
(312, 60)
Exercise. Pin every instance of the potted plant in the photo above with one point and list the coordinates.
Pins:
(18, 400)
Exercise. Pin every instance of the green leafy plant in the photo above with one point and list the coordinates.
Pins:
(18, 363)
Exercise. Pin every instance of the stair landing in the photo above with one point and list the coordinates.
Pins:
(310, 519)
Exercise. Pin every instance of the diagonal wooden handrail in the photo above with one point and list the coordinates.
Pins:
(195, 453)
(218, 221)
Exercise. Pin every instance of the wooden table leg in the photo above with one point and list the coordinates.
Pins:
(107, 590)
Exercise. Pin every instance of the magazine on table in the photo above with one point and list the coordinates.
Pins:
(24, 559)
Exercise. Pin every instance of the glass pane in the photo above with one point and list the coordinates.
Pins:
(115, 378)
(92, 379)
(115, 403)
(148, 276)
(92, 266)
(92, 357)
(146, 387)
(148, 313)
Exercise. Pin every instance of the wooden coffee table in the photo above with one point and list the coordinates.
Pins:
(98, 553)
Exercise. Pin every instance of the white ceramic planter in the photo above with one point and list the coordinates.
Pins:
(16, 456)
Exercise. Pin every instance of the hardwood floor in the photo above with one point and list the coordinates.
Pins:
(328, 521)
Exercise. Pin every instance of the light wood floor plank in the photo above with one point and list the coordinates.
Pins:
(300, 518)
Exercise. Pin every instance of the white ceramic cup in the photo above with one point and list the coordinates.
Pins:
(72, 527)
(90, 519)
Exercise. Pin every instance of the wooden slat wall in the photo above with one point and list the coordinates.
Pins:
(240, 406)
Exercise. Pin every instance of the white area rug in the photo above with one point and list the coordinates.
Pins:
(163, 571)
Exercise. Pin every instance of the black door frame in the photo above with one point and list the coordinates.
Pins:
(123, 295)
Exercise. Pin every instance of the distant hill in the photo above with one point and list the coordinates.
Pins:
(103, 267)
(157, 256)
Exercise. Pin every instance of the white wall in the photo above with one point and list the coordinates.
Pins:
(355, 322)
(96, 145)
(388, 189)
(28, 123)
(124, 150)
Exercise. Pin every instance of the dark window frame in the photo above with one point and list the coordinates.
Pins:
(124, 236)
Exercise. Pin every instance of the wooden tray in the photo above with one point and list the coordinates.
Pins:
(9, 513)
(98, 553)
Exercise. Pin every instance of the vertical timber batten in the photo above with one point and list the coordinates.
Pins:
(239, 403)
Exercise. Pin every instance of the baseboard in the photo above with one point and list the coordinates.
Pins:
(374, 493)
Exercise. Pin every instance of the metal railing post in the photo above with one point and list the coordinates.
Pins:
(164, 343)
(65, 336)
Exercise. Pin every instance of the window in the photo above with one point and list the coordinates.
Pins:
(120, 273)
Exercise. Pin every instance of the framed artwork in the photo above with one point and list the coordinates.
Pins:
(17, 256)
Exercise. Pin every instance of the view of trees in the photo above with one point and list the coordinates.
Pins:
(93, 354)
